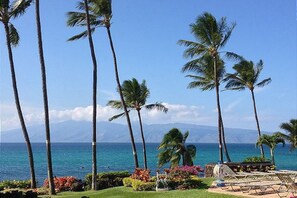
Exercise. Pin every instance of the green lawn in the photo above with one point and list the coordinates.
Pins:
(120, 192)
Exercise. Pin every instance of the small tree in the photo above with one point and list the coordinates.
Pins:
(271, 141)
(135, 95)
(291, 129)
(173, 149)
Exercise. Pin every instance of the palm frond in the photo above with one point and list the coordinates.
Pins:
(14, 37)
(157, 106)
(19, 7)
(263, 82)
(117, 104)
(117, 116)
(193, 49)
(233, 56)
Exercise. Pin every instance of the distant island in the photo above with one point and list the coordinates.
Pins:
(80, 131)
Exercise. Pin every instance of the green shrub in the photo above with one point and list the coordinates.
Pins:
(7, 184)
(191, 183)
(127, 181)
(107, 180)
(18, 194)
(139, 185)
(255, 159)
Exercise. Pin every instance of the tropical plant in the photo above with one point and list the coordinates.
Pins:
(271, 141)
(87, 21)
(291, 129)
(247, 76)
(45, 101)
(135, 96)
(100, 16)
(173, 148)
(10, 11)
(211, 36)
(203, 78)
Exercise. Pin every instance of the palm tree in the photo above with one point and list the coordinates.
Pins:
(173, 149)
(87, 22)
(247, 76)
(8, 11)
(135, 96)
(45, 101)
(100, 15)
(211, 35)
(204, 79)
(271, 141)
(291, 129)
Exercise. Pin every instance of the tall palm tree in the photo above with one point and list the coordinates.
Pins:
(203, 78)
(271, 141)
(247, 76)
(45, 101)
(211, 36)
(7, 11)
(135, 96)
(291, 129)
(100, 16)
(173, 148)
(87, 22)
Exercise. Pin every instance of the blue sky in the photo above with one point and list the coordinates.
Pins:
(145, 35)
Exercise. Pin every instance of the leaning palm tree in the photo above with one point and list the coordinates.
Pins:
(247, 76)
(7, 12)
(203, 78)
(135, 96)
(87, 22)
(45, 101)
(291, 129)
(211, 36)
(100, 16)
(173, 148)
(271, 141)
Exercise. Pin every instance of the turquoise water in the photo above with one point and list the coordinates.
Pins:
(75, 158)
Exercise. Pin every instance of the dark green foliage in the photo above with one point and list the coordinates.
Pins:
(18, 194)
(108, 179)
(255, 159)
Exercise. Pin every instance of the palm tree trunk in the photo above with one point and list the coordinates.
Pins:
(45, 101)
(272, 156)
(224, 141)
(19, 109)
(122, 98)
(143, 140)
(219, 109)
(94, 161)
(257, 121)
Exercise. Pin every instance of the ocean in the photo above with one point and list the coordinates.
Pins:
(74, 159)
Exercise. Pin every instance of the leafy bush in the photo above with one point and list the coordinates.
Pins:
(107, 180)
(255, 159)
(127, 181)
(139, 185)
(8, 184)
(141, 174)
(191, 183)
(69, 183)
(18, 194)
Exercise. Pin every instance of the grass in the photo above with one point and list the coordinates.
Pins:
(121, 192)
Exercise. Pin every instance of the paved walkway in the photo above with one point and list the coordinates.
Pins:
(269, 193)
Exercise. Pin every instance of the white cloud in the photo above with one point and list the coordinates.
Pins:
(176, 113)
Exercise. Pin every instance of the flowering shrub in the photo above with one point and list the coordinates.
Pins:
(69, 183)
(141, 174)
(192, 170)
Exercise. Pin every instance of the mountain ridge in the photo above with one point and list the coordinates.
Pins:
(80, 131)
